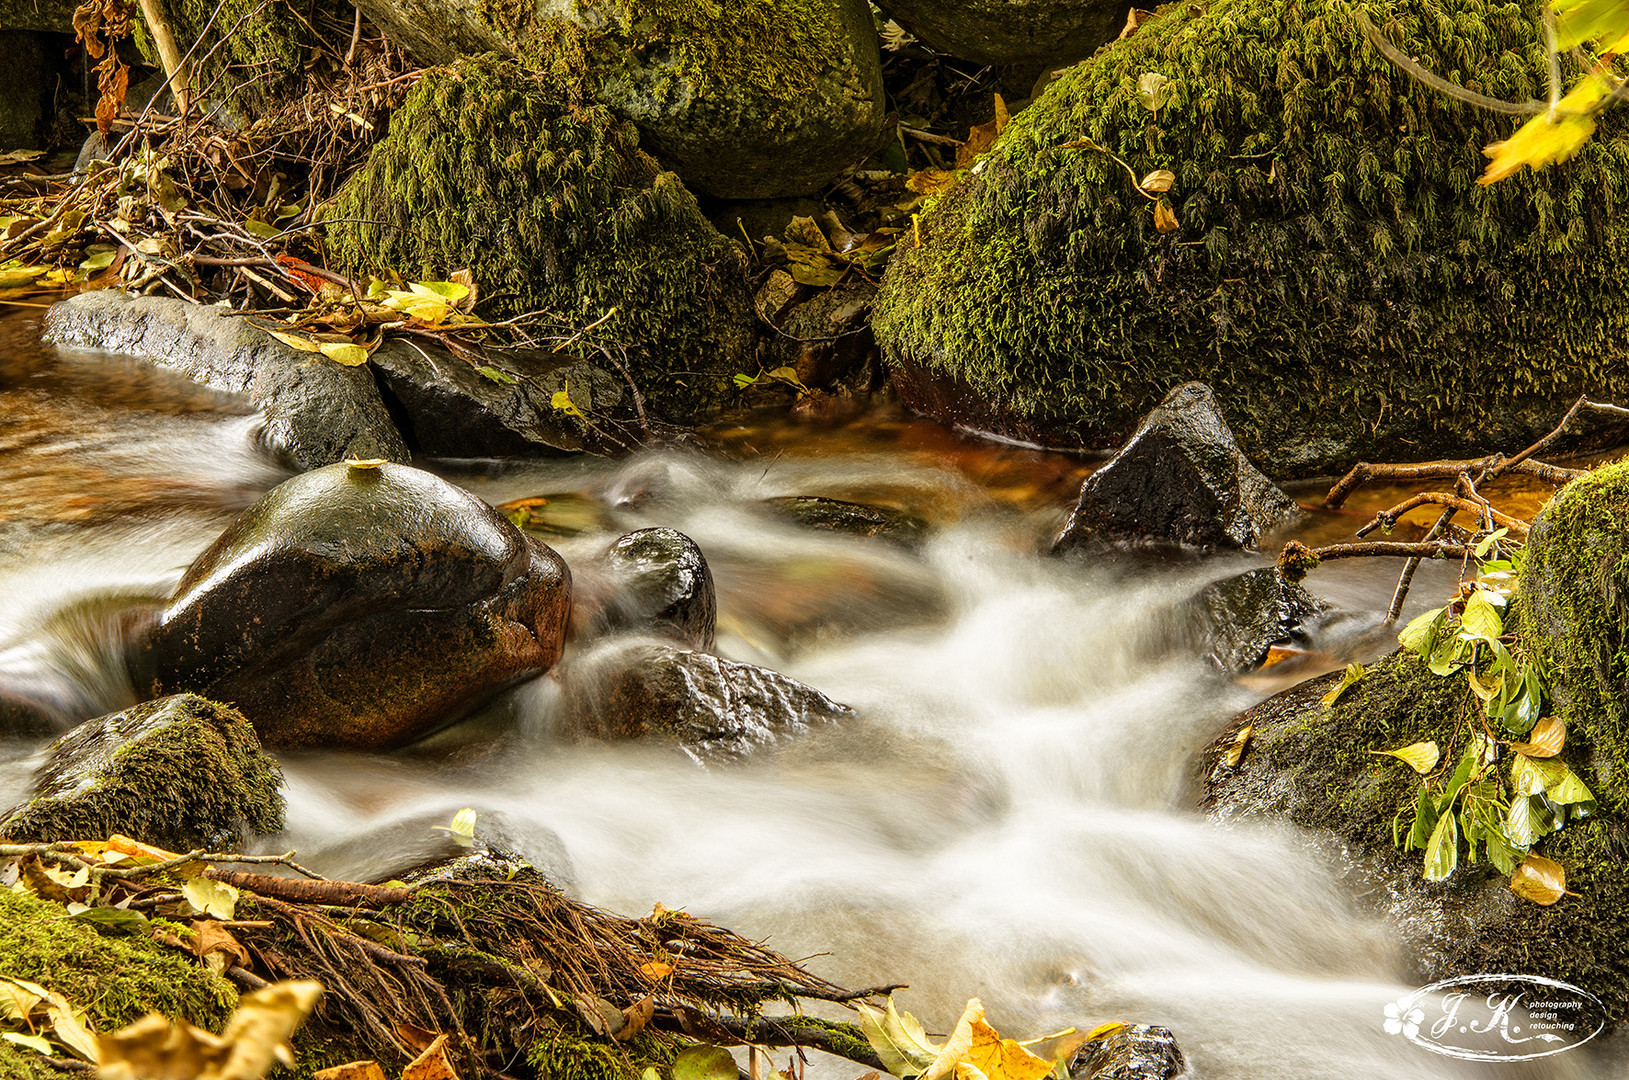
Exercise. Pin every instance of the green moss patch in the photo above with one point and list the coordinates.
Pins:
(1574, 618)
(1339, 277)
(180, 772)
(116, 978)
(252, 50)
(547, 198)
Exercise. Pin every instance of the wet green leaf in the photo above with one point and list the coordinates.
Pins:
(1550, 778)
(1485, 545)
(129, 922)
(1442, 853)
(38, 1043)
(1481, 618)
(1425, 821)
(494, 375)
(260, 229)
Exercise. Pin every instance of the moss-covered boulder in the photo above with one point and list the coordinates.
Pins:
(1338, 276)
(548, 199)
(1011, 31)
(181, 773)
(1573, 617)
(115, 978)
(745, 99)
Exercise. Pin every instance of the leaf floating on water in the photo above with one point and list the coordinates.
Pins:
(1540, 880)
(1354, 672)
(1106, 1029)
(462, 828)
(1422, 757)
(1546, 739)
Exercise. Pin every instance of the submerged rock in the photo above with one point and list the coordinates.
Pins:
(745, 101)
(180, 772)
(1011, 31)
(1331, 236)
(551, 204)
(714, 709)
(855, 519)
(1182, 480)
(316, 410)
(658, 582)
(1135, 1052)
(360, 607)
(1239, 618)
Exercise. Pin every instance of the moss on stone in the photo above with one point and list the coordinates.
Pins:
(1339, 278)
(568, 1053)
(1573, 615)
(547, 198)
(1315, 766)
(252, 51)
(180, 772)
(116, 978)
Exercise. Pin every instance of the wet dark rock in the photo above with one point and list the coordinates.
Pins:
(180, 772)
(855, 519)
(1180, 480)
(714, 709)
(360, 607)
(25, 92)
(318, 411)
(1238, 618)
(1011, 31)
(1135, 1052)
(446, 408)
(826, 338)
(659, 582)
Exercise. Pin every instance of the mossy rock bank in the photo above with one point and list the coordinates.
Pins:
(181, 773)
(745, 99)
(1338, 277)
(548, 199)
(1314, 764)
(117, 979)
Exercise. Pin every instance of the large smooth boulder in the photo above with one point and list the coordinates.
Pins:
(711, 708)
(1180, 480)
(180, 772)
(360, 607)
(1336, 270)
(743, 100)
(1011, 31)
(548, 200)
(317, 411)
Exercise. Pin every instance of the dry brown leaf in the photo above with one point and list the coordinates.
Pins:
(656, 969)
(217, 947)
(1546, 739)
(931, 181)
(636, 1016)
(1165, 219)
(982, 137)
(432, 1064)
(1540, 880)
(418, 1038)
(354, 1070)
(1235, 751)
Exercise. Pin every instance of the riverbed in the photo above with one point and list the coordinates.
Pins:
(1009, 815)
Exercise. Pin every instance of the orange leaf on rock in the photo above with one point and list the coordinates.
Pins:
(1541, 880)
(354, 1070)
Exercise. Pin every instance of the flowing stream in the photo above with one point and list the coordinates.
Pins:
(1008, 816)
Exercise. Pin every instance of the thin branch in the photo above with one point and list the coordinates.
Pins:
(1437, 82)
